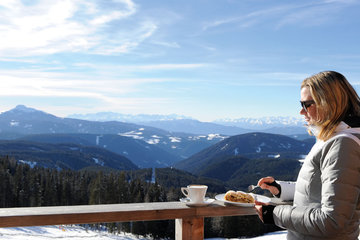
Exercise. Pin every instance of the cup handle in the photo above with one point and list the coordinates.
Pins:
(185, 191)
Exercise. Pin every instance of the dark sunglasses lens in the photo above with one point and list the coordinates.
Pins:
(306, 104)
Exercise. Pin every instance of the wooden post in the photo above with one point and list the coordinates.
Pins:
(189, 228)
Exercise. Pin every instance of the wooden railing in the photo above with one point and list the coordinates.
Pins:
(189, 221)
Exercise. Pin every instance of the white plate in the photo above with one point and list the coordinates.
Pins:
(188, 202)
(259, 198)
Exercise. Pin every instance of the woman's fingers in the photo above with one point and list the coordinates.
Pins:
(259, 211)
(264, 180)
(264, 184)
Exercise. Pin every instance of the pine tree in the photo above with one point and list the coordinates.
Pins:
(97, 189)
(122, 188)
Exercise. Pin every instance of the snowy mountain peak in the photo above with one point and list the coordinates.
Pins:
(135, 118)
(23, 108)
(263, 122)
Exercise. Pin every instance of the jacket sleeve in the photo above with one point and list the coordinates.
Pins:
(287, 190)
(340, 179)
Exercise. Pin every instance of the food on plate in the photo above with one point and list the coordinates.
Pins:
(239, 196)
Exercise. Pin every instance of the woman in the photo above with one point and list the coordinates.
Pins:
(326, 196)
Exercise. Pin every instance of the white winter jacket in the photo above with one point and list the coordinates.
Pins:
(327, 192)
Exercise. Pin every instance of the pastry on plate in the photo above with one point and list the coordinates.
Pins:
(239, 196)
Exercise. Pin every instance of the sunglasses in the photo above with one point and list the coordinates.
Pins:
(306, 104)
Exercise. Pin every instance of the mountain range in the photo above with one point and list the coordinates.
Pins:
(230, 127)
(145, 146)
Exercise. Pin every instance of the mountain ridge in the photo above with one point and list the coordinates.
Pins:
(250, 145)
(180, 123)
(63, 155)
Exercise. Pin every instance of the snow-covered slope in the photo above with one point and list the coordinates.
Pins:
(60, 232)
(80, 233)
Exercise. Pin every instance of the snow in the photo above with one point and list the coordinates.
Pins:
(31, 164)
(286, 146)
(59, 232)
(212, 136)
(156, 136)
(74, 232)
(224, 147)
(153, 141)
(133, 134)
(262, 123)
(98, 140)
(14, 123)
(99, 162)
(236, 151)
(258, 149)
(175, 139)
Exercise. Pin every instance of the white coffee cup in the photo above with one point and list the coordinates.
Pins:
(196, 193)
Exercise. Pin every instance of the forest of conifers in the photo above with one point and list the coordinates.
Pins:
(23, 186)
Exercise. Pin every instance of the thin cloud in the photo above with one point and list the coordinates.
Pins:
(170, 66)
(305, 14)
(167, 44)
(21, 60)
(264, 79)
(39, 83)
(140, 68)
(53, 26)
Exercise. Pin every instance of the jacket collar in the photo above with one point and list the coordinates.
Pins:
(342, 127)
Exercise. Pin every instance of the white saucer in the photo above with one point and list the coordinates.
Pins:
(188, 202)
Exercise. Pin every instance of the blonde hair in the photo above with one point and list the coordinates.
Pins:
(334, 98)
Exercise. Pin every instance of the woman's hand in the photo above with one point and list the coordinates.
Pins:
(258, 208)
(265, 212)
(264, 184)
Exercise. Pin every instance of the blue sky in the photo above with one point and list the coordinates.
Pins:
(206, 59)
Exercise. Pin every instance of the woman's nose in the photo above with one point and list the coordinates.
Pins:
(302, 111)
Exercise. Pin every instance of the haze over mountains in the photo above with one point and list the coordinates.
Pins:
(179, 123)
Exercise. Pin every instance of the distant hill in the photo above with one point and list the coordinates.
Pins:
(25, 120)
(63, 156)
(138, 151)
(238, 172)
(233, 153)
(196, 127)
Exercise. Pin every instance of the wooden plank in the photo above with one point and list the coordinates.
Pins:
(38, 216)
(220, 209)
